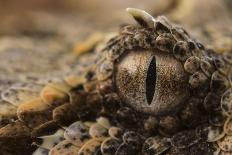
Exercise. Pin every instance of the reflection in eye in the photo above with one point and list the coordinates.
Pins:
(151, 80)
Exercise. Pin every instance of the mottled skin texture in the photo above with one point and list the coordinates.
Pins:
(101, 90)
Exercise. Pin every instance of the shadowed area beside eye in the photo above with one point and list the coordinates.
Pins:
(151, 80)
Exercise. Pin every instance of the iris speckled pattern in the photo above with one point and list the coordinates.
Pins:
(150, 89)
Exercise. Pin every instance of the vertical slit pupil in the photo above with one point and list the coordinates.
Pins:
(151, 80)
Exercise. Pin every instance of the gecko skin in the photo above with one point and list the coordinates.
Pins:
(151, 89)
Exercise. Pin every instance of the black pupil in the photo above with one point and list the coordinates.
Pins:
(151, 80)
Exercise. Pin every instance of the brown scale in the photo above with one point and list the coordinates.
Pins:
(187, 111)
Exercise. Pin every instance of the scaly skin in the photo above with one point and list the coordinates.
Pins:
(105, 106)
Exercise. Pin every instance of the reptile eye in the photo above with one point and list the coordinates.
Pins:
(151, 81)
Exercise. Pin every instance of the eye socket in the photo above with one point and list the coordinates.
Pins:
(151, 80)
